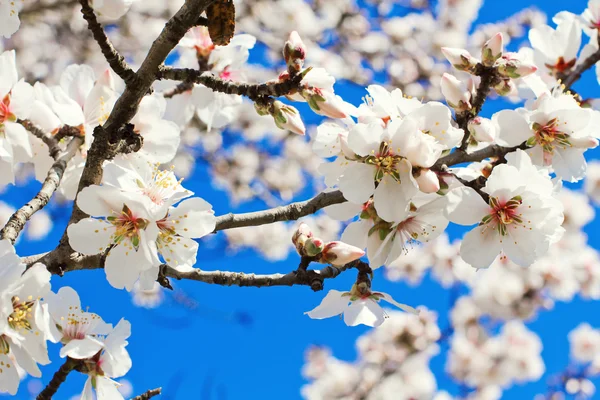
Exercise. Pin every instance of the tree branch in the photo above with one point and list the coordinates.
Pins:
(17, 221)
(253, 91)
(489, 76)
(459, 157)
(290, 212)
(148, 395)
(58, 378)
(115, 60)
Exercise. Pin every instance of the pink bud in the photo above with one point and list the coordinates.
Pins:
(455, 93)
(511, 66)
(324, 103)
(460, 59)
(339, 253)
(492, 50)
(428, 181)
(302, 232)
(482, 129)
(294, 52)
(287, 117)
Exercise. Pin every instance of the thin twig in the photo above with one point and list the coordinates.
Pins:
(115, 60)
(58, 378)
(581, 68)
(253, 91)
(148, 395)
(17, 221)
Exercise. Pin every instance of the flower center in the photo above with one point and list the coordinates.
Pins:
(503, 214)
(5, 113)
(163, 186)
(77, 323)
(127, 226)
(548, 137)
(385, 162)
(561, 65)
(19, 318)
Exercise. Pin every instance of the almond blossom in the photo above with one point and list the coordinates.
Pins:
(124, 230)
(111, 362)
(556, 49)
(79, 331)
(520, 219)
(558, 130)
(359, 306)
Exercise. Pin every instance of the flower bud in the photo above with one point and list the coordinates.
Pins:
(313, 247)
(456, 95)
(428, 181)
(324, 103)
(482, 129)
(294, 53)
(287, 117)
(339, 253)
(302, 233)
(511, 67)
(505, 87)
(492, 50)
(460, 59)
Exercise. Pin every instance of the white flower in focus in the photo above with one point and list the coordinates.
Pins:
(359, 306)
(79, 331)
(112, 361)
(521, 218)
(127, 228)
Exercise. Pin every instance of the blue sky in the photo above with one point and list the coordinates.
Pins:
(247, 343)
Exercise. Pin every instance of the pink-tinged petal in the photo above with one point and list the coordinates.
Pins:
(332, 304)
(80, 349)
(9, 378)
(401, 306)
(366, 312)
(195, 218)
(90, 236)
(364, 139)
(358, 182)
(465, 206)
(481, 246)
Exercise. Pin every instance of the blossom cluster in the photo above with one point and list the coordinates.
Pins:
(31, 315)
